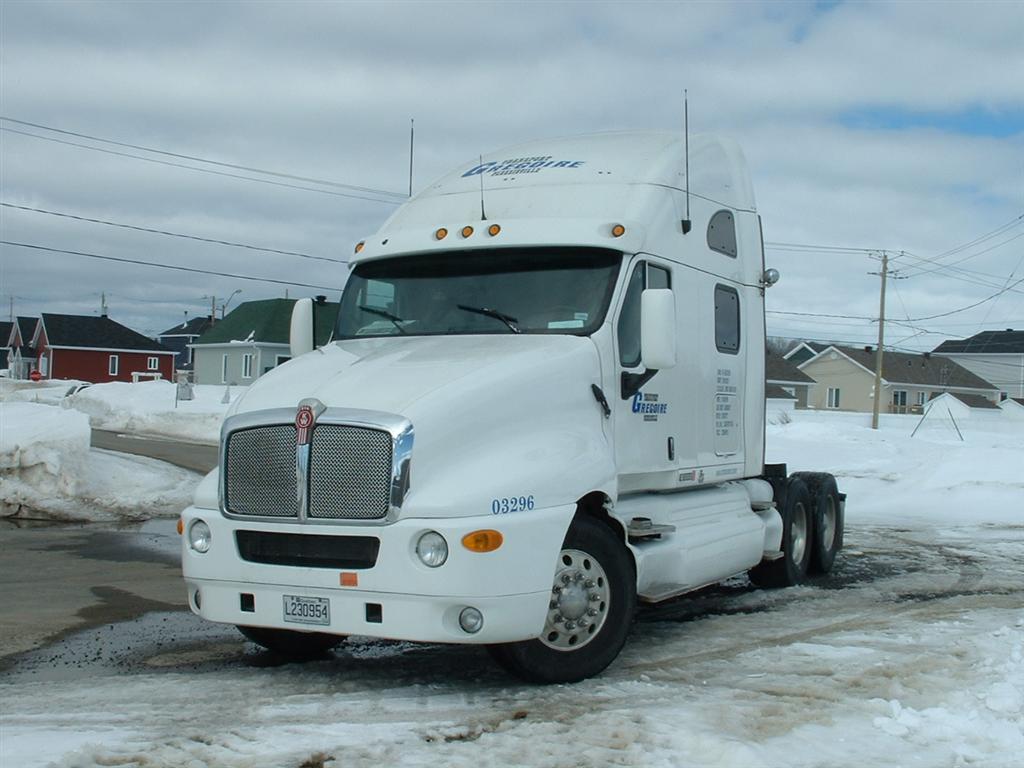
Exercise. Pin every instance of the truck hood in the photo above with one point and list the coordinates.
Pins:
(493, 416)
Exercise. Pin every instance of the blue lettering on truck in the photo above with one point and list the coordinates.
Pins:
(519, 165)
(649, 405)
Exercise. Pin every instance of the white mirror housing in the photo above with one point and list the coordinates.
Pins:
(300, 337)
(658, 328)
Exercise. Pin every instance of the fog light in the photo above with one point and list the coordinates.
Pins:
(471, 620)
(432, 549)
(199, 536)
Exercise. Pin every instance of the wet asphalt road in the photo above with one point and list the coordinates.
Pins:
(195, 456)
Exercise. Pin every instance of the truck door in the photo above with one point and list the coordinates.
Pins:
(644, 404)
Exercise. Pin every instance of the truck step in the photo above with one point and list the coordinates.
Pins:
(641, 528)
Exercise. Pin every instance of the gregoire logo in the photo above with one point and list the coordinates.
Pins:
(519, 165)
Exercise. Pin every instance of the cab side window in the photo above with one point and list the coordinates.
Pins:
(644, 276)
(727, 319)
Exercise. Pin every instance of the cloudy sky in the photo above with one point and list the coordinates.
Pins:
(896, 126)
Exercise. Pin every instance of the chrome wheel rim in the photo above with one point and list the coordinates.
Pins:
(829, 524)
(798, 534)
(580, 599)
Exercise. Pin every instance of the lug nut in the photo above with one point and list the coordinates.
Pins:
(552, 605)
(566, 578)
(570, 625)
(592, 612)
(556, 590)
(589, 584)
(594, 597)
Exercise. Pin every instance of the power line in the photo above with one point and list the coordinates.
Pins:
(201, 170)
(817, 314)
(168, 266)
(969, 306)
(196, 159)
(170, 234)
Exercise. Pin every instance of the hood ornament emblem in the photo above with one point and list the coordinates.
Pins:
(305, 420)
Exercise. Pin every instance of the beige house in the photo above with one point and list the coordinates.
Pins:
(845, 379)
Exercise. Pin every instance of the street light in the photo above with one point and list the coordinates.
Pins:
(224, 306)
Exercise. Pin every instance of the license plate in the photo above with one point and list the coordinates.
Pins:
(307, 610)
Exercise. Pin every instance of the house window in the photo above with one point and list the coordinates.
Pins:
(112, 365)
(727, 319)
(281, 359)
(44, 366)
(921, 397)
(833, 397)
(224, 369)
(899, 398)
(152, 363)
(247, 366)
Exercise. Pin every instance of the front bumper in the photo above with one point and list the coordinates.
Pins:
(399, 597)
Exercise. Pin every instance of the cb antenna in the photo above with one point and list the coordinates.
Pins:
(687, 223)
(412, 136)
(483, 214)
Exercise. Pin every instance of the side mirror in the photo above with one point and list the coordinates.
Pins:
(300, 337)
(657, 328)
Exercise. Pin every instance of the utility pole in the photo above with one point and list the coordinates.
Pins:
(881, 342)
(213, 309)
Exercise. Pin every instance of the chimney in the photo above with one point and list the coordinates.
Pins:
(321, 300)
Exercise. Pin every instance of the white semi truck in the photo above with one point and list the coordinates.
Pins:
(542, 403)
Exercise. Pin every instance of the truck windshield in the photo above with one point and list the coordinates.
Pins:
(515, 290)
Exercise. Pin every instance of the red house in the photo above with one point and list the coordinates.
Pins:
(97, 349)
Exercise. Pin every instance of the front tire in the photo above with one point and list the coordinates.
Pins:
(290, 644)
(593, 599)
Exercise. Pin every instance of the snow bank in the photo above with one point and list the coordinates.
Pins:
(892, 478)
(148, 408)
(45, 391)
(47, 470)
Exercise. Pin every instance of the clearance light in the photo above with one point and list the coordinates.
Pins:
(181, 526)
(618, 230)
(493, 229)
(441, 234)
(482, 541)
(359, 245)
(467, 231)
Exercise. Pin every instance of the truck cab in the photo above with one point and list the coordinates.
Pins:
(542, 403)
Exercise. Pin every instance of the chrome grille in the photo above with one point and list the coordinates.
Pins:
(349, 472)
(261, 472)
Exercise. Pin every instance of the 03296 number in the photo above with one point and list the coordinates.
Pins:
(508, 504)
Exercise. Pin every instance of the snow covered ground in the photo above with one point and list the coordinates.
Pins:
(48, 470)
(911, 654)
(145, 408)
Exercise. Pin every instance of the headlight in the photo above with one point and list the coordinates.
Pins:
(432, 549)
(199, 536)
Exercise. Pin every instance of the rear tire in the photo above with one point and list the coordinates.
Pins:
(797, 528)
(293, 645)
(828, 519)
(593, 600)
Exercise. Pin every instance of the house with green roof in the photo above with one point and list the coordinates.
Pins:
(252, 339)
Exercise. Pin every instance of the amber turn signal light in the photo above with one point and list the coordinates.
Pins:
(181, 526)
(493, 229)
(441, 234)
(618, 230)
(467, 231)
(482, 541)
(359, 245)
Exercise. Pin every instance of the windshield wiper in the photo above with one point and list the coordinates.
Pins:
(486, 312)
(395, 319)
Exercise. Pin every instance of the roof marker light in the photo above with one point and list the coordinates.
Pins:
(618, 230)
(494, 229)
(467, 231)
(359, 245)
(441, 234)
